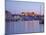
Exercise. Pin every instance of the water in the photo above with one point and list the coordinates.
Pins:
(24, 27)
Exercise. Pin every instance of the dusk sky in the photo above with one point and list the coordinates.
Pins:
(18, 7)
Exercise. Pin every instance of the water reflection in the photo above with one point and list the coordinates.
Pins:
(24, 27)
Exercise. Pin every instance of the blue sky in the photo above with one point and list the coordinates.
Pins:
(18, 7)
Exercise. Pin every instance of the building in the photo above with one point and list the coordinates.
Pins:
(29, 14)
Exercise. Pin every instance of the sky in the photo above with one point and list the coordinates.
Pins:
(21, 6)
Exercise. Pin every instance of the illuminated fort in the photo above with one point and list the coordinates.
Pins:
(29, 14)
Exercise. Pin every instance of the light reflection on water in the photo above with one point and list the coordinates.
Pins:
(23, 27)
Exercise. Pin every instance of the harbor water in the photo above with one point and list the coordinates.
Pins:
(20, 27)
